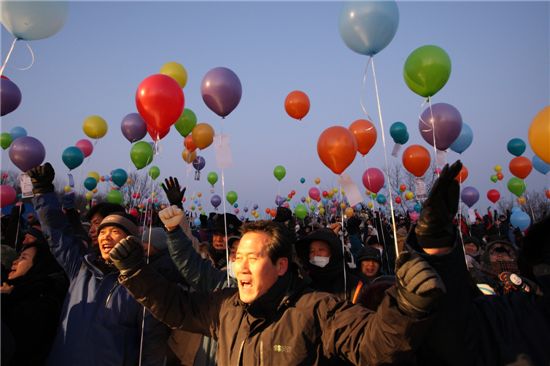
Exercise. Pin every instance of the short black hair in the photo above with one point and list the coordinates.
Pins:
(281, 244)
(104, 209)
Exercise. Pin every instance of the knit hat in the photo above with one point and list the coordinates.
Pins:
(369, 253)
(121, 220)
(37, 233)
(233, 224)
(158, 237)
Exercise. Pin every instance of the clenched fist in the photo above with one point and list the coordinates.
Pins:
(171, 217)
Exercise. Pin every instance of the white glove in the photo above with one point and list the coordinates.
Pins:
(171, 216)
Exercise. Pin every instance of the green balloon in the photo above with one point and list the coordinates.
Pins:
(141, 154)
(115, 196)
(516, 186)
(494, 178)
(186, 122)
(232, 197)
(5, 140)
(279, 172)
(212, 178)
(154, 172)
(300, 211)
(427, 70)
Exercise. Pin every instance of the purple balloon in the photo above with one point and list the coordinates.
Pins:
(279, 200)
(215, 200)
(255, 207)
(133, 127)
(10, 96)
(27, 152)
(199, 163)
(221, 90)
(469, 196)
(446, 122)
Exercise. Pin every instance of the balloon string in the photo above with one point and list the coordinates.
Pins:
(385, 159)
(343, 245)
(224, 212)
(363, 88)
(32, 61)
(16, 244)
(460, 222)
(8, 56)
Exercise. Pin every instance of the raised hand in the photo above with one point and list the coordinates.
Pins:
(171, 188)
(171, 216)
(128, 256)
(42, 178)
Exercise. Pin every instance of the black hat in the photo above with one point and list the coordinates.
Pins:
(283, 214)
(122, 220)
(326, 235)
(367, 253)
(233, 224)
(473, 240)
(37, 233)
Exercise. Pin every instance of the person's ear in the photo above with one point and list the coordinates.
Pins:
(282, 266)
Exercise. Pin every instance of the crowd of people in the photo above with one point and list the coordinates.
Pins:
(99, 289)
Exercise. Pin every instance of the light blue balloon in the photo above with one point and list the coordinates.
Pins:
(515, 209)
(367, 27)
(72, 157)
(197, 222)
(464, 140)
(540, 165)
(520, 220)
(32, 20)
(17, 132)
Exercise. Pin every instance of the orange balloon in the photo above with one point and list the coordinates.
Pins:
(520, 167)
(416, 159)
(188, 156)
(548, 193)
(337, 148)
(297, 104)
(462, 175)
(365, 134)
(202, 135)
(189, 144)
(539, 134)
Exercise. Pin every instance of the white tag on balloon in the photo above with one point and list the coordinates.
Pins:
(352, 192)
(26, 186)
(440, 158)
(471, 215)
(224, 158)
(420, 188)
(396, 149)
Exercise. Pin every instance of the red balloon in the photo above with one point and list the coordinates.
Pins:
(297, 104)
(160, 101)
(416, 159)
(85, 146)
(402, 187)
(365, 134)
(493, 195)
(315, 194)
(373, 179)
(462, 175)
(548, 193)
(500, 176)
(337, 148)
(189, 143)
(398, 200)
(521, 167)
(7, 195)
(156, 134)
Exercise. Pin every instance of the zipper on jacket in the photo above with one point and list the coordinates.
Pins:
(240, 353)
(261, 353)
(111, 293)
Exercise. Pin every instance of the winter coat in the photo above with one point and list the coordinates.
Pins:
(288, 325)
(100, 321)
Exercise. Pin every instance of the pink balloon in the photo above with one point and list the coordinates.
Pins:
(373, 179)
(7, 195)
(315, 194)
(85, 146)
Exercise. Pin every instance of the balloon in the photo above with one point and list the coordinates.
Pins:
(337, 148)
(133, 127)
(417, 207)
(516, 146)
(154, 172)
(141, 154)
(17, 132)
(398, 200)
(464, 139)
(373, 179)
(89, 195)
(160, 101)
(547, 192)
(365, 135)
(445, 120)
(27, 152)
(500, 176)
(189, 144)
(469, 196)
(427, 70)
(315, 194)
(493, 195)
(175, 71)
(199, 163)
(85, 146)
(300, 211)
(188, 156)
(203, 135)
(497, 168)
(33, 20)
(231, 197)
(520, 167)
(212, 178)
(221, 90)
(94, 127)
(539, 134)
(7, 195)
(90, 183)
(520, 220)
(279, 172)
(462, 175)
(539, 165)
(5, 140)
(398, 132)
(119, 177)
(279, 200)
(368, 27)
(10, 95)
(381, 199)
(349, 212)
(94, 175)
(409, 195)
(416, 159)
(72, 157)
(215, 201)
(302, 180)
(115, 197)
(297, 104)
(516, 186)
(317, 180)
(186, 122)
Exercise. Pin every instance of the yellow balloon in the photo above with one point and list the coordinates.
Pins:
(95, 127)
(188, 157)
(199, 194)
(321, 210)
(539, 134)
(94, 175)
(317, 180)
(343, 205)
(498, 168)
(202, 135)
(89, 195)
(67, 189)
(175, 71)
(349, 212)
(308, 199)
(409, 195)
(370, 205)
(521, 200)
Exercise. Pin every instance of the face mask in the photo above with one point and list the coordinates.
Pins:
(319, 261)
(231, 270)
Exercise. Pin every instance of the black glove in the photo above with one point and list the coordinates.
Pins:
(418, 284)
(42, 177)
(435, 228)
(128, 256)
(173, 193)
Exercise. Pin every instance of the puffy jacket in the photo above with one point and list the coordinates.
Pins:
(100, 320)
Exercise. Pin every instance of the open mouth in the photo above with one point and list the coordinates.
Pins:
(106, 248)
(245, 284)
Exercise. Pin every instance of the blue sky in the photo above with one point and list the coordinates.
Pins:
(500, 79)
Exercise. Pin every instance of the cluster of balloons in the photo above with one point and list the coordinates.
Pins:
(6, 138)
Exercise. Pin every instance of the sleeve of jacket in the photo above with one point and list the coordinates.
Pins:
(196, 312)
(64, 244)
(200, 273)
(155, 341)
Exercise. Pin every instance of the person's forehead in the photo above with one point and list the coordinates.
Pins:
(253, 242)
(318, 243)
(97, 217)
